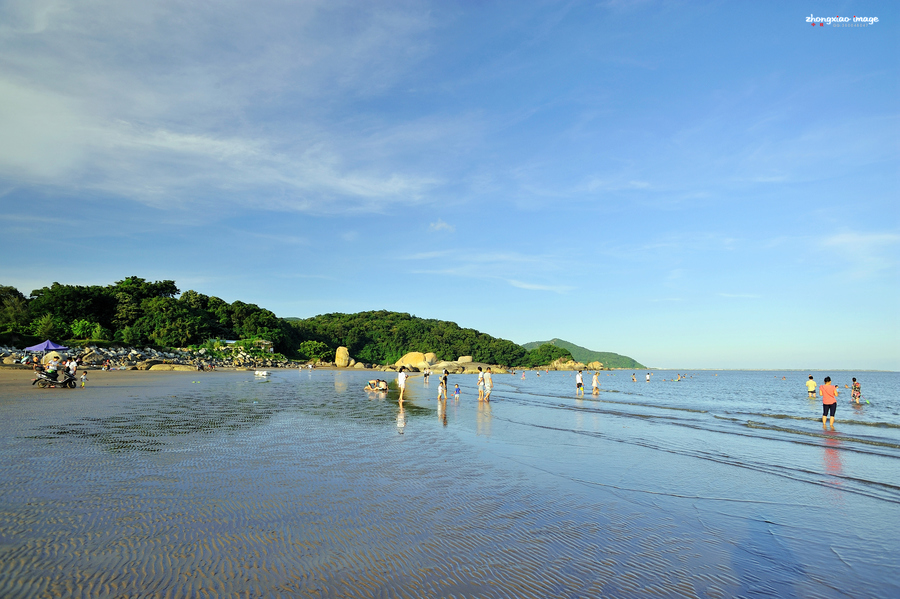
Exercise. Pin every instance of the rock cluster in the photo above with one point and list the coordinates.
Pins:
(147, 358)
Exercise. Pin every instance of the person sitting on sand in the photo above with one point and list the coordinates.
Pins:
(382, 385)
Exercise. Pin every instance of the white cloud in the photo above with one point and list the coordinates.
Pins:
(865, 253)
(739, 295)
(536, 287)
(181, 104)
(440, 225)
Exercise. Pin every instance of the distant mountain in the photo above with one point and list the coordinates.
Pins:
(583, 354)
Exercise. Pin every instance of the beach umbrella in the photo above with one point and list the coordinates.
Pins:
(45, 346)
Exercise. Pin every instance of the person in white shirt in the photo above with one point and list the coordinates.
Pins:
(579, 385)
(401, 381)
(595, 383)
(480, 384)
(488, 384)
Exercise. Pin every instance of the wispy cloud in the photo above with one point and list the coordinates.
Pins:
(440, 225)
(536, 287)
(187, 109)
(866, 253)
(739, 295)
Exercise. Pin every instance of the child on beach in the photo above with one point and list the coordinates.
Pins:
(83, 378)
(456, 393)
(855, 391)
(440, 390)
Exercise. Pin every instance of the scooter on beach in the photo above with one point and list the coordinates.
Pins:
(45, 381)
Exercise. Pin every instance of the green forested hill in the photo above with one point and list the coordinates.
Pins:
(135, 311)
(382, 336)
(583, 354)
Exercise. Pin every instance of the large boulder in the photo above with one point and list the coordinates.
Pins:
(359, 365)
(9, 360)
(148, 364)
(93, 357)
(464, 359)
(595, 365)
(342, 357)
(170, 367)
(50, 355)
(430, 357)
(412, 359)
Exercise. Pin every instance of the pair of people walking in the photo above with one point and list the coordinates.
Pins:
(485, 384)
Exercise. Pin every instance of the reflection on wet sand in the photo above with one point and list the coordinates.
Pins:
(300, 490)
(483, 419)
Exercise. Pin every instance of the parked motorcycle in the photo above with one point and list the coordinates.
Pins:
(46, 381)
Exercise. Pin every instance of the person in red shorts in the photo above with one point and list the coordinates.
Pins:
(829, 400)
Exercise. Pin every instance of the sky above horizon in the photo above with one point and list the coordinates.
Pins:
(692, 184)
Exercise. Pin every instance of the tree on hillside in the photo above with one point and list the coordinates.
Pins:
(545, 354)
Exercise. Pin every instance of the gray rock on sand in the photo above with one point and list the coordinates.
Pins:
(359, 365)
(342, 357)
(430, 357)
(147, 364)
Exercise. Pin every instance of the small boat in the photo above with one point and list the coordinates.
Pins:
(260, 373)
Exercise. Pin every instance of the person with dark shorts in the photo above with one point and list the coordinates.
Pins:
(811, 387)
(829, 400)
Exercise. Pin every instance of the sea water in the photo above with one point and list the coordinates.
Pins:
(721, 484)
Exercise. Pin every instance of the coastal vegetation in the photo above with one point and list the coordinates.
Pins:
(137, 312)
(583, 354)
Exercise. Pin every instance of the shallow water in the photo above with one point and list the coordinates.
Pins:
(302, 485)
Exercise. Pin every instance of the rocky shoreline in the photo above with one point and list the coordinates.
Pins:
(147, 358)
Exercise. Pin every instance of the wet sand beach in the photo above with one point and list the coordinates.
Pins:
(185, 484)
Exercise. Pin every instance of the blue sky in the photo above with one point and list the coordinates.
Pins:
(693, 184)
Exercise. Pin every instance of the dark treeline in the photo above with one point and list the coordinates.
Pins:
(135, 311)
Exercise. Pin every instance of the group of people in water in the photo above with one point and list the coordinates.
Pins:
(829, 392)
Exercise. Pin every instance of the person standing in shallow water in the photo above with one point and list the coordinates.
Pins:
(488, 384)
(401, 381)
(480, 384)
(829, 400)
(579, 385)
(855, 390)
(811, 387)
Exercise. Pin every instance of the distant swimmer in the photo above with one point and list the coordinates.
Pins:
(811, 387)
(632, 377)
(829, 400)
(855, 391)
